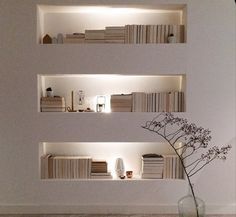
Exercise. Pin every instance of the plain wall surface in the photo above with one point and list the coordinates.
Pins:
(207, 59)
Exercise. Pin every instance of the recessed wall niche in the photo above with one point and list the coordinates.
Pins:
(143, 93)
(54, 19)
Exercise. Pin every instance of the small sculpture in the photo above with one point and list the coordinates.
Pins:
(54, 40)
(47, 39)
(60, 38)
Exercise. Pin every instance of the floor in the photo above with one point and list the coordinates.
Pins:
(96, 215)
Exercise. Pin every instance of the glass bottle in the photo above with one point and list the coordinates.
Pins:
(187, 208)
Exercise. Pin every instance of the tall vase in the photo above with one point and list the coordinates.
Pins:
(119, 167)
(187, 207)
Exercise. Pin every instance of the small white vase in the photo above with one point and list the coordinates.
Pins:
(119, 167)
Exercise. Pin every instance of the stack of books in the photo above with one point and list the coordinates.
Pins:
(121, 103)
(115, 34)
(74, 38)
(95, 36)
(99, 170)
(65, 167)
(173, 168)
(152, 166)
(52, 104)
(139, 34)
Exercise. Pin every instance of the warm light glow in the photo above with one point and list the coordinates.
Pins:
(103, 9)
(101, 100)
(109, 76)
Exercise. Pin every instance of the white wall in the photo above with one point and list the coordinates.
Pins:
(208, 59)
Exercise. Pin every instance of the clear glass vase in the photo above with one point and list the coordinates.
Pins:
(187, 207)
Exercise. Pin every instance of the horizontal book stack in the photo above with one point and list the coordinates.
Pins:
(65, 167)
(158, 102)
(121, 103)
(74, 38)
(99, 170)
(52, 104)
(95, 36)
(172, 167)
(152, 166)
(142, 34)
(115, 34)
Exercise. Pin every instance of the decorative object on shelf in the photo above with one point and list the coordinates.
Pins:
(54, 40)
(187, 140)
(171, 38)
(47, 39)
(49, 92)
(120, 168)
(80, 100)
(88, 110)
(101, 102)
(129, 174)
(81, 97)
(60, 38)
(71, 109)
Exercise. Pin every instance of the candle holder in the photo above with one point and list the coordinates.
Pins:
(101, 101)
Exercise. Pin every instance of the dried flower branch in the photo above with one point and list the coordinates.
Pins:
(187, 140)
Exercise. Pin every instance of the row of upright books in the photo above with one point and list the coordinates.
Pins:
(148, 102)
(173, 168)
(52, 104)
(161, 167)
(143, 34)
(73, 167)
(129, 34)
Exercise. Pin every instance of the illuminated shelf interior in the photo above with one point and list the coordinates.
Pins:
(69, 19)
(130, 152)
(96, 85)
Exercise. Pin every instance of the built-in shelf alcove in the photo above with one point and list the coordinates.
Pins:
(68, 19)
(130, 152)
(109, 86)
